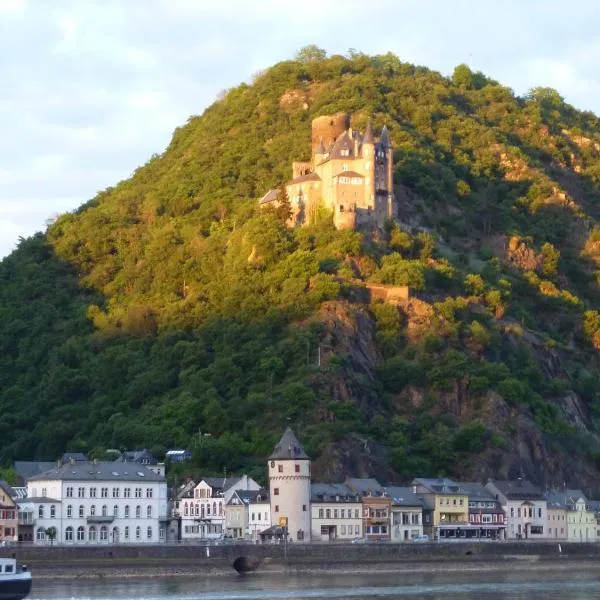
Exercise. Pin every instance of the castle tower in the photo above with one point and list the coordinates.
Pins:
(389, 155)
(289, 485)
(327, 129)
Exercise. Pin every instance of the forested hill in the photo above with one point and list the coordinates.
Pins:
(169, 307)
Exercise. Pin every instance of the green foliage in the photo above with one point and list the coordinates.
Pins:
(398, 271)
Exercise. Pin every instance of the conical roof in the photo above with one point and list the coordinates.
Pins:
(368, 137)
(320, 147)
(384, 140)
(288, 448)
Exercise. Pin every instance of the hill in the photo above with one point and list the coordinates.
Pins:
(169, 306)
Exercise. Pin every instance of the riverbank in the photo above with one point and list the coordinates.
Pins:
(120, 562)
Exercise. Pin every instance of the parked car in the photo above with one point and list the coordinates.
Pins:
(360, 541)
(420, 539)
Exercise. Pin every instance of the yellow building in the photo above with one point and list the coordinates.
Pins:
(350, 175)
(446, 507)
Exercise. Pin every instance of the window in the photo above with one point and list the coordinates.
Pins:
(126, 533)
(80, 534)
(92, 534)
(277, 508)
(81, 492)
(127, 493)
(280, 468)
(103, 533)
(148, 492)
(296, 468)
(52, 511)
(69, 512)
(40, 534)
(149, 511)
(104, 492)
(512, 512)
(149, 533)
(540, 513)
(138, 512)
(343, 513)
(343, 530)
(81, 513)
(92, 492)
(138, 533)
(115, 511)
(105, 510)
(92, 510)
(518, 512)
(276, 492)
(320, 513)
(69, 492)
(208, 509)
(44, 492)
(115, 492)
(127, 511)
(304, 508)
(138, 492)
(41, 511)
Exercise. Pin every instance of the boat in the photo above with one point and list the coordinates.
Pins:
(244, 564)
(15, 580)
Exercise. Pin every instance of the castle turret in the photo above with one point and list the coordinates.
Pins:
(328, 129)
(289, 484)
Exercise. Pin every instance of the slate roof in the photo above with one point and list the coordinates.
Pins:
(440, 486)
(332, 492)
(270, 196)
(477, 492)
(364, 486)
(219, 484)
(8, 491)
(384, 140)
(302, 178)
(245, 496)
(518, 489)
(403, 496)
(368, 137)
(76, 456)
(28, 468)
(565, 499)
(288, 448)
(138, 456)
(99, 471)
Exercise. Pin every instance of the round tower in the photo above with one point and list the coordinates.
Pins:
(289, 486)
(328, 129)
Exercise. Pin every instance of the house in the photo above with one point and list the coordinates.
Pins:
(98, 502)
(376, 517)
(177, 456)
(142, 457)
(349, 175)
(9, 520)
(407, 514)
(556, 517)
(237, 513)
(259, 512)
(202, 510)
(486, 516)
(445, 507)
(336, 512)
(524, 505)
(581, 521)
(289, 487)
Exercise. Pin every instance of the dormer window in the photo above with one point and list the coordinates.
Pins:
(345, 152)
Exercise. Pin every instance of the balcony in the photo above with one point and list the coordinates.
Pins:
(100, 518)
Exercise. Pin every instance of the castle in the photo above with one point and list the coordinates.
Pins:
(350, 175)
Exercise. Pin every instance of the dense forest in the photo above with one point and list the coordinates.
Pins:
(169, 311)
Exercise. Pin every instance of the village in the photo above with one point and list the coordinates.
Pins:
(127, 501)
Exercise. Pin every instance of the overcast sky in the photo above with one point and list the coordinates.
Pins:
(89, 90)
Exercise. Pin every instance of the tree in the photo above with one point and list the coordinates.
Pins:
(51, 534)
(310, 53)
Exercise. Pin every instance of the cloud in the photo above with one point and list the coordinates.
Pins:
(105, 83)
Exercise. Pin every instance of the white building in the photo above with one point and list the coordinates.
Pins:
(259, 515)
(524, 506)
(202, 509)
(407, 514)
(99, 503)
(336, 512)
(289, 487)
(579, 520)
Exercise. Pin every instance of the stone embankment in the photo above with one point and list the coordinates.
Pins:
(200, 561)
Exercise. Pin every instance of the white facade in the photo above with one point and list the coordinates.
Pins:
(259, 518)
(407, 523)
(89, 503)
(581, 523)
(331, 521)
(525, 519)
(289, 487)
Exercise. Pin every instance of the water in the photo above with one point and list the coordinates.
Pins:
(519, 585)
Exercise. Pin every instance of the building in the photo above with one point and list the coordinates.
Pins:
(142, 457)
(289, 487)
(445, 507)
(202, 508)
(336, 512)
(28, 468)
(349, 175)
(259, 518)
(376, 517)
(577, 519)
(486, 516)
(524, 505)
(407, 514)
(9, 518)
(237, 513)
(98, 502)
(177, 456)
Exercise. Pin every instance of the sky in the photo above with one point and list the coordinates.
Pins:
(90, 89)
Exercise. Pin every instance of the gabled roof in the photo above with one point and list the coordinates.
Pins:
(440, 486)
(332, 492)
(28, 468)
(565, 499)
(270, 196)
(99, 471)
(245, 496)
(219, 484)
(518, 489)
(476, 491)
(8, 491)
(364, 486)
(302, 178)
(403, 496)
(349, 174)
(288, 448)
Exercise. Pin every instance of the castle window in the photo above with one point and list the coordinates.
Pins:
(280, 468)
(276, 492)
(341, 208)
(297, 468)
(277, 508)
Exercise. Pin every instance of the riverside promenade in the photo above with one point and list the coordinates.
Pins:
(108, 561)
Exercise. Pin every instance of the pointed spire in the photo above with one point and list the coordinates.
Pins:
(368, 137)
(288, 448)
(384, 140)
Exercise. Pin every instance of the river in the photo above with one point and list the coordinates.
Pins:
(519, 585)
